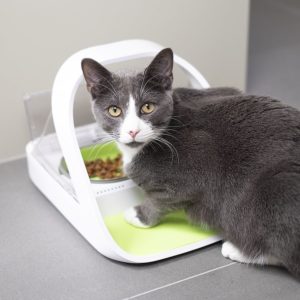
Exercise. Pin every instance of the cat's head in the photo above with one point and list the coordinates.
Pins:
(134, 109)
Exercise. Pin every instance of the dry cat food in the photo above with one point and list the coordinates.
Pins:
(105, 169)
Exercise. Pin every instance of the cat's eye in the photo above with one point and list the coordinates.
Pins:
(114, 111)
(147, 108)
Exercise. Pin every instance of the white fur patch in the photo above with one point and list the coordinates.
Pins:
(131, 217)
(128, 153)
(232, 252)
(132, 122)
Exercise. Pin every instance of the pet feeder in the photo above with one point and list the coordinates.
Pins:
(96, 209)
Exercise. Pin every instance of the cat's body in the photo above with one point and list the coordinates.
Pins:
(229, 160)
(238, 170)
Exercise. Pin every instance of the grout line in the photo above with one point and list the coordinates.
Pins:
(12, 158)
(179, 281)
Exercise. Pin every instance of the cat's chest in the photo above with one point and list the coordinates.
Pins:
(150, 170)
(128, 154)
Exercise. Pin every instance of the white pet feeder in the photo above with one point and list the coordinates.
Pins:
(94, 209)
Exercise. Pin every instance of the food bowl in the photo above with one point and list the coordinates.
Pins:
(103, 152)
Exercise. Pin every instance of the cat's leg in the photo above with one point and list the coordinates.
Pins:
(157, 203)
(232, 252)
(145, 215)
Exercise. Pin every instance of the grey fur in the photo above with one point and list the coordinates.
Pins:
(236, 168)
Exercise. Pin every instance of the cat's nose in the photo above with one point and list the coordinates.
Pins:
(133, 133)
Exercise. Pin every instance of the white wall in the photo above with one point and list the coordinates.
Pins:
(37, 36)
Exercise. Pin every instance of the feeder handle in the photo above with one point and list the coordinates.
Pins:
(64, 89)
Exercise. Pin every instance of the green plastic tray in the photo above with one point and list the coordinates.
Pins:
(173, 232)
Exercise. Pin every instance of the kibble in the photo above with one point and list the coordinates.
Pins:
(105, 169)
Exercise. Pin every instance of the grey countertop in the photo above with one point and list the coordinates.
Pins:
(43, 257)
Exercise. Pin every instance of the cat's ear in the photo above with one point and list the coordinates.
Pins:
(160, 70)
(96, 76)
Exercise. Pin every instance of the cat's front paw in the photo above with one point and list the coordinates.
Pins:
(131, 216)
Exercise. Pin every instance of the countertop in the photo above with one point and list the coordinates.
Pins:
(43, 257)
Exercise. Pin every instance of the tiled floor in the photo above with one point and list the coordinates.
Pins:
(43, 257)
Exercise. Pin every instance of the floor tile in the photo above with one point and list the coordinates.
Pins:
(235, 283)
(41, 251)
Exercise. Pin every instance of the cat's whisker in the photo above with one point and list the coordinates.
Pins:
(103, 135)
(177, 120)
(144, 74)
(152, 146)
(146, 134)
(147, 83)
(105, 86)
(164, 132)
(113, 89)
(169, 129)
(158, 133)
(171, 136)
(174, 149)
(157, 143)
(101, 139)
(94, 147)
(174, 126)
(180, 116)
(148, 91)
(91, 152)
(103, 146)
(170, 146)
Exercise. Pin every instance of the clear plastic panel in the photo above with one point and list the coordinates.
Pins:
(46, 146)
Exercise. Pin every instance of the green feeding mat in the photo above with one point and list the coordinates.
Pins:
(173, 232)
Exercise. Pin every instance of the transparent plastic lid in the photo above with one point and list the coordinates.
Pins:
(45, 145)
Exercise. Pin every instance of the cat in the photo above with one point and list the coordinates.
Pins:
(230, 160)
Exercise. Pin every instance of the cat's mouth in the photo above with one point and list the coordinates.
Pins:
(134, 144)
(138, 140)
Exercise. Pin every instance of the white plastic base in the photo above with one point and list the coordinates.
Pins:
(109, 203)
(84, 204)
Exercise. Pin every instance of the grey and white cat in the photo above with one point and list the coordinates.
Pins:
(229, 160)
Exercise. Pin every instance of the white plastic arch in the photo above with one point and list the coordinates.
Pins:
(88, 219)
